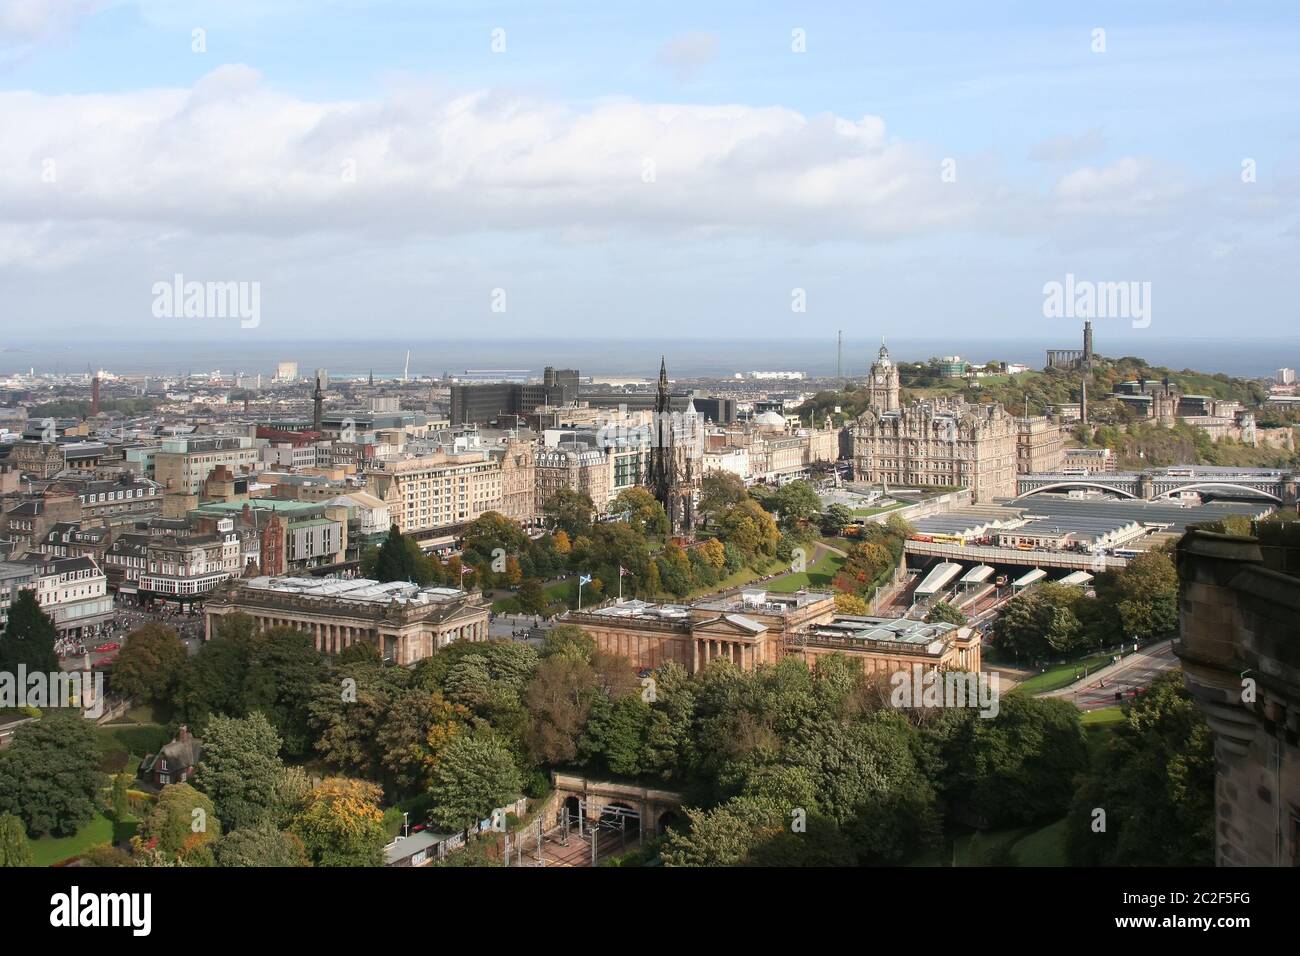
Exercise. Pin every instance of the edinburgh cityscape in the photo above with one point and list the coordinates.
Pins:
(473, 436)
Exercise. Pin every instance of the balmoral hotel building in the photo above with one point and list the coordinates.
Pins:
(755, 627)
(403, 621)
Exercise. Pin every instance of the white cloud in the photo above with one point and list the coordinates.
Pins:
(1128, 187)
(232, 154)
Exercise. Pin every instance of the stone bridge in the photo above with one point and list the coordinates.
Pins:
(1154, 484)
(652, 809)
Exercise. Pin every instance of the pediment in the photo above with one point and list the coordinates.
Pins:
(729, 625)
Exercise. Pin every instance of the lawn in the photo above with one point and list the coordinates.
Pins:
(1103, 716)
(742, 577)
(1062, 675)
(140, 714)
(556, 593)
(1045, 847)
(50, 850)
(1020, 846)
(819, 575)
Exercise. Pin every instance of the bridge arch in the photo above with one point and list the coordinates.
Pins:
(1075, 484)
(1191, 486)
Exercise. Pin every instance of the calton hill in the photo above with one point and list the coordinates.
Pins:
(1136, 443)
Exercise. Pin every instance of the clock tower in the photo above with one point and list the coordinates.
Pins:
(882, 384)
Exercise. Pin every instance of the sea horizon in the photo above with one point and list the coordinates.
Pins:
(631, 357)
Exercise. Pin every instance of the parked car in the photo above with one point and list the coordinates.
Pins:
(106, 647)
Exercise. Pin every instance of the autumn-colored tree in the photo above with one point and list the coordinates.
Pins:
(848, 603)
(751, 529)
(342, 825)
(514, 573)
(713, 551)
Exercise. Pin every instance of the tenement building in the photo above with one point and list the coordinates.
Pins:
(518, 480)
(403, 621)
(938, 444)
(1040, 445)
(575, 468)
(1239, 599)
(438, 490)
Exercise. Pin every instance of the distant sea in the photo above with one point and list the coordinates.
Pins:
(687, 358)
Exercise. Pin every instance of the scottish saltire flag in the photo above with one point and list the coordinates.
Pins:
(584, 578)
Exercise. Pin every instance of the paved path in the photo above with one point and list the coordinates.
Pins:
(1132, 672)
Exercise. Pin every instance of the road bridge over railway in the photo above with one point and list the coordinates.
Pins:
(638, 808)
(1274, 485)
(971, 554)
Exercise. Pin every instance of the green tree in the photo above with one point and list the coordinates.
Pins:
(1040, 623)
(283, 669)
(1015, 769)
(568, 640)
(418, 727)
(945, 613)
(240, 768)
(1146, 598)
(675, 571)
(262, 845)
(719, 491)
(150, 664)
(645, 515)
(49, 774)
(475, 775)
(532, 597)
(180, 822)
(616, 734)
(868, 780)
(796, 502)
(393, 560)
(29, 636)
(348, 712)
(15, 848)
(835, 519)
(1155, 780)
(216, 680)
(669, 737)
(750, 528)
(490, 532)
(726, 834)
(119, 803)
(569, 511)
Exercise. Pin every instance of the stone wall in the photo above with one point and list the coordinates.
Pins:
(1240, 649)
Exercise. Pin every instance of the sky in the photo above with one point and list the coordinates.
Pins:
(488, 171)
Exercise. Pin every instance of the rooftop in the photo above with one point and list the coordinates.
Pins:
(882, 629)
(362, 590)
